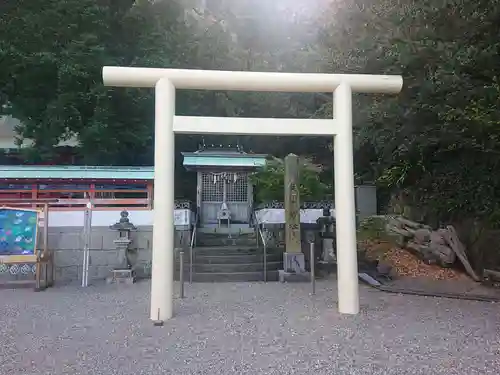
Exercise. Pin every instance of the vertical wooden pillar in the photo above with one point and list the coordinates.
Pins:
(249, 197)
(92, 192)
(199, 192)
(34, 194)
(149, 188)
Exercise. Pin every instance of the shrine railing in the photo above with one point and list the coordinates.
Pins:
(192, 245)
(261, 238)
(76, 196)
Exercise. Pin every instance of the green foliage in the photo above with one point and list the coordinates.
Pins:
(373, 228)
(51, 56)
(52, 52)
(437, 140)
(270, 182)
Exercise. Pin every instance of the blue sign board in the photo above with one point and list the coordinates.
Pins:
(18, 231)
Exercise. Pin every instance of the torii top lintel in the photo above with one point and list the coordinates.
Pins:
(250, 81)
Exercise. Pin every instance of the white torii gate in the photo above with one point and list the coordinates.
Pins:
(166, 81)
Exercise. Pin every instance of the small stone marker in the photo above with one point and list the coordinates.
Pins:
(293, 258)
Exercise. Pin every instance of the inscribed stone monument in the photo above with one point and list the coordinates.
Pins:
(293, 258)
(292, 205)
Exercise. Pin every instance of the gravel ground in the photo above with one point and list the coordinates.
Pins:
(245, 328)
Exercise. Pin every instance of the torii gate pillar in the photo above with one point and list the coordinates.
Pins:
(166, 81)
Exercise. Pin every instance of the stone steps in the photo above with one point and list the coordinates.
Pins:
(231, 250)
(234, 276)
(219, 258)
(235, 258)
(233, 268)
(211, 240)
(225, 241)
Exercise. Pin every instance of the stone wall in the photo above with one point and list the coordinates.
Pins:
(67, 245)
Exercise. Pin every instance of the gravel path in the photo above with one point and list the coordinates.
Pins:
(246, 328)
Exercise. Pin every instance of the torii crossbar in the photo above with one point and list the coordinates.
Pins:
(166, 81)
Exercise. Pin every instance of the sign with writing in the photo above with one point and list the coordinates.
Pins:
(18, 231)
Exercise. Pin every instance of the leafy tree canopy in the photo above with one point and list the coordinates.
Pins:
(436, 142)
(270, 180)
(51, 56)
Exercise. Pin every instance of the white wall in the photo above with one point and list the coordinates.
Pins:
(107, 218)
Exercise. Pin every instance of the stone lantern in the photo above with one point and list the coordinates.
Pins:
(125, 272)
(327, 233)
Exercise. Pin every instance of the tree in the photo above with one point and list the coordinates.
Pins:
(51, 72)
(270, 181)
(434, 142)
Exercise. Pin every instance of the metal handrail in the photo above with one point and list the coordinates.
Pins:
(191, 248)
(264, 243)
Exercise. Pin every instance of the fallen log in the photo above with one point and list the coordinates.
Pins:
(422, 235)
(445, 254)
(400, 231)
(456, 245)
(440, 247)
(423, 252)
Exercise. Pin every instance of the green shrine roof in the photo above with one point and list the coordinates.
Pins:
(69, 172)
(223, 158)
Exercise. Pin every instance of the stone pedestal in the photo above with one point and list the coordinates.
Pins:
(121, 276)
(294, 262)
(329, 251)
(294, 268)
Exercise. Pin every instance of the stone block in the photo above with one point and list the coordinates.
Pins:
(329, 251)
(294, 268)
(66, 273)
(54, 236)
(290, 277)
(69, 241)
(53, 239)
(143, 239)
(65, 258)
(144, 255)
(294, 262)
(111, 258)
(143, 270)
(96, 240)
(121, 277)
(100, 272)
(127, 281)
(108, 236)
(325, 268)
